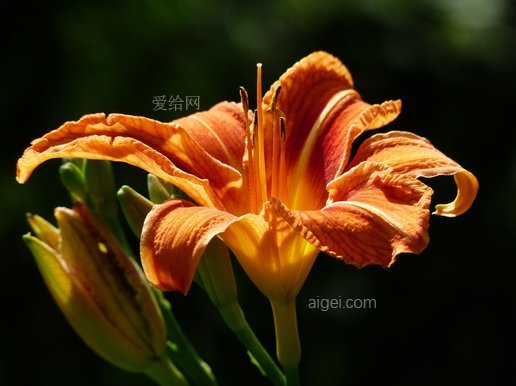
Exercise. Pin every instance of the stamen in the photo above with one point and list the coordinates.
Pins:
(276, 142)
(248, 162)
(274, 99)
(254, 127)
(283, 128)
(283, 186)
(244, 98)
(260, 156)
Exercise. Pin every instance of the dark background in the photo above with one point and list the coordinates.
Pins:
(444, 317)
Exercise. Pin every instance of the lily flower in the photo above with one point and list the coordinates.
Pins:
(277, 184)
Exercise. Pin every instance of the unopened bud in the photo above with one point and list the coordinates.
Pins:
(72, 178)
(161, 190)
(215, 275)
(100, 184)
(135, 208)
(100, 289)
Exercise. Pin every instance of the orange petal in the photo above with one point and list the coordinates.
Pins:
(324, 115)
(164, 149)
(332, 140)
(307, 87)
(375, 215)
(173, 240)
(220, 131)
(410, 154)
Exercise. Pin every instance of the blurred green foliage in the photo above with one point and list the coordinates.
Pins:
(444, 317)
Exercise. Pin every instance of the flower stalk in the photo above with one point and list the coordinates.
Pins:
(288, 348)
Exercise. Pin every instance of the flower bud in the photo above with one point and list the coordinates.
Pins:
(72, 178)
(216, 274)
(135, 208)
(45, 231)
(99, 288)
(101, 187)
(161, 190)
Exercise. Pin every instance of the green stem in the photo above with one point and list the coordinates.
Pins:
(292, 375)
(288, 347)
(235, 319)
(181, 350)
(164, 373)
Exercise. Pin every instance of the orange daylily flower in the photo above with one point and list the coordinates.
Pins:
(277, 185)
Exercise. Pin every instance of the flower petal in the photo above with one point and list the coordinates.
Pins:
(411, 154)
(220, 131)
(173, 240)
(324, 115)
(164, 149)
(375, 215)
(332, 144)
(306, 89)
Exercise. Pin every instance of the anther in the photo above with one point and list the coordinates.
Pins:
(272, 105)
(283, 128)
